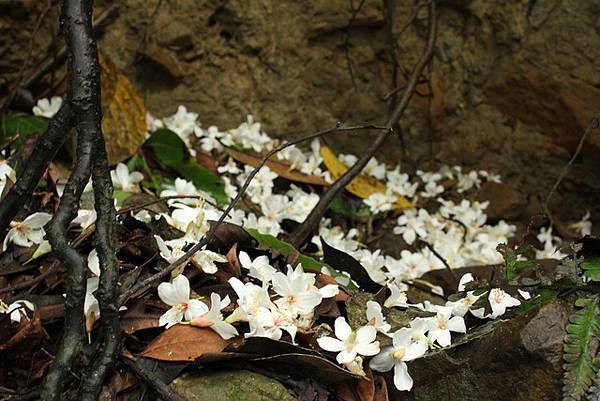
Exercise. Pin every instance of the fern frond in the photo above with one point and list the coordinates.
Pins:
(579, 367)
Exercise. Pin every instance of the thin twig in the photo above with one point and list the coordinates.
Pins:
(49, 63)
(152, 280)
(165, 392)
(354, 12)
(305, 230)
(27, 283)
(595, 123)
(442, 259)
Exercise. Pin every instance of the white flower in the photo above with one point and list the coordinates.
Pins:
(410, 227)
(47, 108)
(18, 310)
(411, 265)
(123, 180)
(549, 252)
(209, 139)
(404, 349)
(93, 262)
(468, 181)
(248, 135)
(85, 218)
(91, 307)
(375, 317)
(270, 323)
(397, 297)
(214, 319)
(583, 227)
(432, 189)
(28, 232)
(350, 343)
(499, 301)
(205, 260)
(462, 306)
(182, 123)
(259, 267)
(229, 167)
(181, 187)
(153, 123)
(177, 295)
(443, 324)
(373, 263)
(400, 184)
(251, 299)
(297, 291)
(6, 173)
(169, 254)
(379, 202)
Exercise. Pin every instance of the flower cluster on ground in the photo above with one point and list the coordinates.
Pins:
(272, 303)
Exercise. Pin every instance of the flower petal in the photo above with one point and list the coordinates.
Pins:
(342, 329)
(182, 288)
(402, 379)
(330, 344)
(383, 361)
(167, 294)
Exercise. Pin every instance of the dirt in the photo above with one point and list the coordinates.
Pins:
(512, 84)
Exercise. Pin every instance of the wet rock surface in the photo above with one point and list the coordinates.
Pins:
(516, 360)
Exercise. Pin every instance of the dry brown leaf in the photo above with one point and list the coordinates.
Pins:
(381, 391)
(282, 169)
(124, 122)
(183, 343)
(363, 185)
(234, 262)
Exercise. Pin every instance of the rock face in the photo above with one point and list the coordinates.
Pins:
(519, 360)
(513, 83)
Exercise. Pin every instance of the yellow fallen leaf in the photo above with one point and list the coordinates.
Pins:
(124, 122)
(363, 185)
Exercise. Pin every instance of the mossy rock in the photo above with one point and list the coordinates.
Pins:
(233, 385)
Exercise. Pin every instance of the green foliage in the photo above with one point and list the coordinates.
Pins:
(591, 268)
(343, 206)
(582, 332)
(266, 241)
(18, 127)
(513, 267)
(170, 151)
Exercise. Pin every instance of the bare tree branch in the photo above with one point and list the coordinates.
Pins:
(304, 230)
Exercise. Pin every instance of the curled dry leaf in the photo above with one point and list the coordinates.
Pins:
(234, 262)
(342, 261)
(361, 390)
(363, 185)
(183, 343)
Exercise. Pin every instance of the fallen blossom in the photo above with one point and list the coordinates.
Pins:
(350, 343)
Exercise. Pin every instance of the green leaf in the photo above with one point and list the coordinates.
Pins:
(171, 152)
(579, 369)
(21, 126)
(591, 268)
(342, 205)
(512, 265)
(266, 241)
